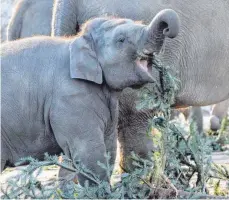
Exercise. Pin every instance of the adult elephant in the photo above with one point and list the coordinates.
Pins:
(199, 55)
(30, 17)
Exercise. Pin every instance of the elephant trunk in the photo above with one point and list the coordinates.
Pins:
(64, 18)
(165, 23)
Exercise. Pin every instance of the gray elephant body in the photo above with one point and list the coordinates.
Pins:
(63, 94)
(30, 17)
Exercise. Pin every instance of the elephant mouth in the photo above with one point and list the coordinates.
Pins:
(145, 62)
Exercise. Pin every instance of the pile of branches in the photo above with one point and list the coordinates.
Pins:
(180, 166)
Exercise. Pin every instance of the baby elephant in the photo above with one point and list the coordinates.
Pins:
(62, 94)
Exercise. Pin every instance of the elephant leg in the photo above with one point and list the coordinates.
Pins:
(132, 130)
(88, 160)
(219, 111)
(111, 146)
(132, 137)
(87, 154)
(215, 123)
(81, 136)
(196, 115)
(67, 178)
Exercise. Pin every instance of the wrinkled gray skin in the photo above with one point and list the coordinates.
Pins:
(60, 94)
(200, 53)
(219, 111)
(29, 18)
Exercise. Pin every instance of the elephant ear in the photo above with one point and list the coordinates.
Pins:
(83, 61)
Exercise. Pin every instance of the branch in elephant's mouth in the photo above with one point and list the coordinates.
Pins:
(145, 63)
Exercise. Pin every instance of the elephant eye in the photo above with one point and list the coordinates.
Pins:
(121, 40)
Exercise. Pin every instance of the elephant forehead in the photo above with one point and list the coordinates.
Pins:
(128, 30)
(109, 24)
(105, 24)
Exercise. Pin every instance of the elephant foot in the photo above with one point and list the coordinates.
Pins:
(67, 181)
(214, 123)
